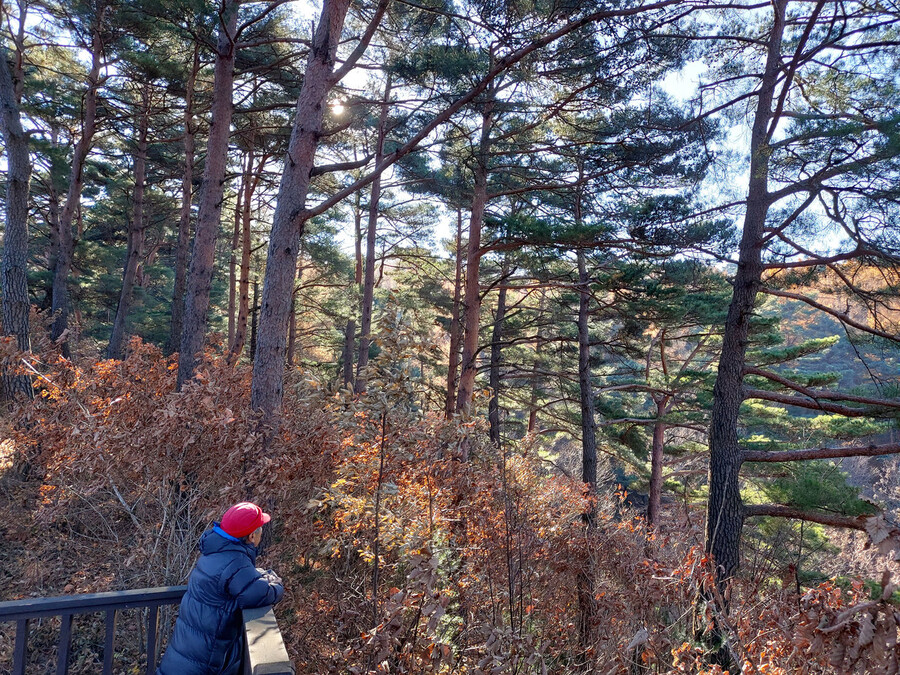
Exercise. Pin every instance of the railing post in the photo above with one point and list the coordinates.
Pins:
(152, 631)
(108, 641)
(65, 642)
(20, 655)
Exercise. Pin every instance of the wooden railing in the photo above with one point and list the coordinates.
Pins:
(264, 652)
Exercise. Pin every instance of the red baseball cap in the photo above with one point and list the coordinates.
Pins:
(243, 518)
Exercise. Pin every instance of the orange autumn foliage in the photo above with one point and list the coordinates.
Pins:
(399, 557)
(128, 463)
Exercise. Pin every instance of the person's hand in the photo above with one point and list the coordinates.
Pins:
(272, 578)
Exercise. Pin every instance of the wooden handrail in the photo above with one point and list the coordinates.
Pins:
(66, 606)
(85, 603)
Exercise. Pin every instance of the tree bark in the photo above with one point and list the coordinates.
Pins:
(535, 379)
(725, 511)
(292, 331)
(357, 249)
(16, 306)
(240, 334)
(65, 237)
(657, 460)
(53, 227)
(182, 246)
(368, 295)
(588, 422)
(288, 220)
(233, 264)
(472, 297)
(254, 321)
(453, 361)
(587, 602)
(349, 340)
(200, 273)
(350, 328)
(135, 247)
(496, 357)
(18, 71)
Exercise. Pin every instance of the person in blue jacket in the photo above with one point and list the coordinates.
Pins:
(207, 639)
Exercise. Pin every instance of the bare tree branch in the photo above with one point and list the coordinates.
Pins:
(821, 395)
(821, 453)
(363, 43)
(841, 316)
(832, 520)
(824, 406)
(340, 166)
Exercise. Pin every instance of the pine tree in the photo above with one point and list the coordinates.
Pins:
(818, 157)
(16, 305)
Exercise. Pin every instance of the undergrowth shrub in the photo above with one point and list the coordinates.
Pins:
(453, 555)
(118, 475)
(132, 466)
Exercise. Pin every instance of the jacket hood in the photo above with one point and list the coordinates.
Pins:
(212, 541)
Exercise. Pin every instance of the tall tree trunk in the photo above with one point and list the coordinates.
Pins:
(149, 259)
(496, 357)
(532, 410)
(725, 513)
(368, 296)
(350, 327)
(135, 246)
(292, 332)
(657, 459)
(535, 379)
(53, 197)
(233, 263)
(182, 246)
(18, 71)
(15, 237)
(53, 225)
(288, 220)
(472, 301)
(357, 228)
(588, 423)
(587, 603)
(295, 350)
(254, 321)
(240, 334)
(66, 248)
(349, 335)
(199, 281)
(453, 362)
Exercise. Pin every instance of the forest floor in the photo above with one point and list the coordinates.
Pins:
(483, 566)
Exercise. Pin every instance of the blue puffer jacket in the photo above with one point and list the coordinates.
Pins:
(207, 639)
